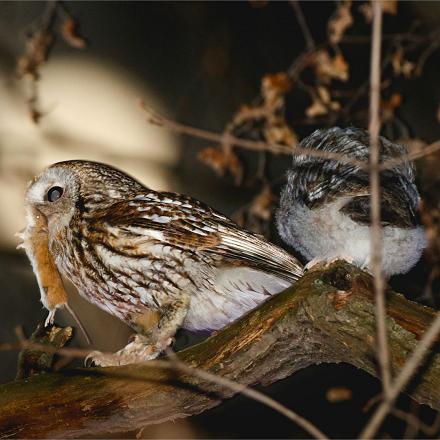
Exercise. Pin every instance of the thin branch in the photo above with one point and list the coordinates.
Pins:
(402, 379)
(416, 423)
(156, 119)
(310, 43)
(72, 352)
(430, 149)
(434, 45)
(253, 394)
(177, 127)
(375, 200)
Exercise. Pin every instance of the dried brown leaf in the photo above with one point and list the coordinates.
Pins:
(389, 7)
(389, 106)
(329, 68)
(317, 108)
(38, 46)
(339, 22)
(280, 133)
(69, 31)
(273, 87)
(322, 103)
(339, 394)
(222, 161)
(262, 205)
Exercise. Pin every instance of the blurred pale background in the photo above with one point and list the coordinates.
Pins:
(92, 113)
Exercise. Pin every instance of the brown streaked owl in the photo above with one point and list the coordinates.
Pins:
(324, 210)
(156, 260)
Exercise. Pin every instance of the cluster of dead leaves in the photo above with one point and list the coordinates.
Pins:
(38, 46)
(257, 215)
(339, 22)
(265, 121)
(273, 89)
(326, 69)
(222, 161)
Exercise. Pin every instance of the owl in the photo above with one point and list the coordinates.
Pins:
(158, 261)
(324, 210)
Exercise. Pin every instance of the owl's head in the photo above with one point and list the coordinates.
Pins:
(66, 187)
(54, 193)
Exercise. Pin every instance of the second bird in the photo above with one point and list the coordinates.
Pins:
(325, 207)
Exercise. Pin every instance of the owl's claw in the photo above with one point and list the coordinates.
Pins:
(99, 359)
(50, 318)
(326, 261)
(138, 350)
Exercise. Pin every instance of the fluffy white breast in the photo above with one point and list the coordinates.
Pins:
(326, 233)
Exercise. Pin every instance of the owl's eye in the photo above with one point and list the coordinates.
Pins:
(54, 193)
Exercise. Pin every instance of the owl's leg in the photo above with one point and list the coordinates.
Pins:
(327, 260)
(150, 341)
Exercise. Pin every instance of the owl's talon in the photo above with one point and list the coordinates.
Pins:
(344, 257)
(326, 261)
(89, 360)
(99, 359)
(135, 352)
(50, 318)
(312, 263)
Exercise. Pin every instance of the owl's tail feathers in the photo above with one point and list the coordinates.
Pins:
(80, 324)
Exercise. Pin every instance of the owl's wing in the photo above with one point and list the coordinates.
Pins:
(185, 223)
(399, 196)
(316, 182)
(398, 200)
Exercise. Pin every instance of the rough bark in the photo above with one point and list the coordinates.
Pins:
(328, 316)
(35, 361)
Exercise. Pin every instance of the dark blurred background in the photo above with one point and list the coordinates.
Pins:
(196, 63)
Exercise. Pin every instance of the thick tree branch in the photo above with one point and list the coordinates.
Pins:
(328, 316)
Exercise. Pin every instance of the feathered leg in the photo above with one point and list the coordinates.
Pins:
(150, 341)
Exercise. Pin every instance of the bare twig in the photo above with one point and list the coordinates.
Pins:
(433, 46)
(72, 352)
(375, 201)
(154, 118)
(417, 424)
(39, 44)
(430, 149)
(413, 422)
(402, 379)
(253, 394)
(310, 43)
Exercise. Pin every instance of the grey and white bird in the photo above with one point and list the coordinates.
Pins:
(324, 209)
(156, 260)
